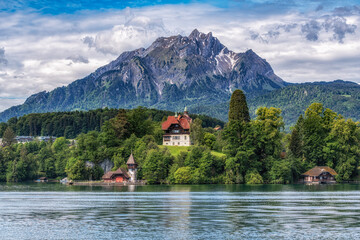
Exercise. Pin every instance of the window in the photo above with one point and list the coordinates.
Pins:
(176, 131)
(185, 137)
(176, 137)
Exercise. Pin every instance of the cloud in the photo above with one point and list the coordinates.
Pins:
(319, 8)
(78, 59)
(3, 60)
(311, 30)
(346, 11)
(339, 27)
(47, 51)
(137, 31)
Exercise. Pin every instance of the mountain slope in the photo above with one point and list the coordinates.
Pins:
(340, 96)
(172, 73)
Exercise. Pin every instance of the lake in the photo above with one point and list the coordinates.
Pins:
(55, 211)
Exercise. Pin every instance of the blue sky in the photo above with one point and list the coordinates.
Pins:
(46, 44)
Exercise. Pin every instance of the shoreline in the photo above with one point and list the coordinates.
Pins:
(98, 183)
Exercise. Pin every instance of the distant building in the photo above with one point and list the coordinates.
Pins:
(46, 138)
(24, 139)
(319, 174)
(43, 179)
(177, 130)
(217, 128)
(121, 175)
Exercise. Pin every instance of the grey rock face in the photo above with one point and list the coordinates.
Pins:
(106, 165)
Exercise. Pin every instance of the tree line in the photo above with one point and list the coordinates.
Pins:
(253, 151)
(71, 124)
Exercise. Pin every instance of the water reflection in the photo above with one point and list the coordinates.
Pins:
(54, 211)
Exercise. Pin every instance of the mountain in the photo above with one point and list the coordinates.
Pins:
(340, 96)
(172, 73)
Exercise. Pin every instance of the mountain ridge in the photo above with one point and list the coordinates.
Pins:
(171, 73)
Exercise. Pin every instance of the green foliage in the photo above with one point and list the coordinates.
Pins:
(250, 152)
(253, 178)
(156, 166)
(209, 140)
(238, 110)
(183, 175)
(197, 132)
(9, 137)
(281, 172)
(75, 169)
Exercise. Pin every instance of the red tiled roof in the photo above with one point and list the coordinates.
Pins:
(316, 171)
(182, 120)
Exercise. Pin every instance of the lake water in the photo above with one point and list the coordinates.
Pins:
(54, 211)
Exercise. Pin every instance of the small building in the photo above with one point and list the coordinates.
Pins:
(319, 175)
(46, 138)
(43, 179)
(132, 167)
(117, 176)
(24, 139)
(177, 130)
(121, 175)
(217, 128)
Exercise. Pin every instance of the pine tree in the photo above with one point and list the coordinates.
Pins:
(9, 137)
(238, 107)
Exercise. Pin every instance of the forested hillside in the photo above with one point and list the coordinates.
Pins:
(71, 124)
(251, 151)
(340, 96)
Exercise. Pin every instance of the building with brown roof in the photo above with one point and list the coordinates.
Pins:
(121, 175)
(177, 130)
(319, 174)
(118, 176)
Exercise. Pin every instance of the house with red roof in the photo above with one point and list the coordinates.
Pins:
(177, 130)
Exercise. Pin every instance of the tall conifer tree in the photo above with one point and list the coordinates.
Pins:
(239, 110)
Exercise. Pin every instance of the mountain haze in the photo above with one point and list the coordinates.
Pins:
(171, 73)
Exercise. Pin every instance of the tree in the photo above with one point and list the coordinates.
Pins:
(254, 178)
(316, 127)
(183, 175)
(209, 140)
(238, 110)
(75, 169)
(9, 137)
(342, 148)
(156, 166)
(197, 132)
(296, 139)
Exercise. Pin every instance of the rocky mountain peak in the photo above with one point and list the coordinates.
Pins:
(171, 73)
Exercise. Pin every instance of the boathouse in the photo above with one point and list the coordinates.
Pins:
(43, 179)
(121, 175)
(319, 175)
(177, 130)
(118, 176)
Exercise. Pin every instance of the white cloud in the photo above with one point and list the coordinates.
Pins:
(44, 51)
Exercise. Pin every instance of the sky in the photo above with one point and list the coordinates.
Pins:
(46, 44)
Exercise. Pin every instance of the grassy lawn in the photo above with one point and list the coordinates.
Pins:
(175, 150)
